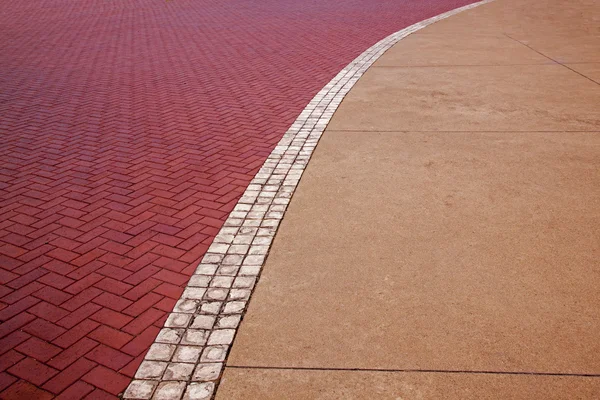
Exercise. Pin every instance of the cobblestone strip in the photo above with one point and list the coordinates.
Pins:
(189, 353)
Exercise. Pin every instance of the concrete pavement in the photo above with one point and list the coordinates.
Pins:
(444, 240)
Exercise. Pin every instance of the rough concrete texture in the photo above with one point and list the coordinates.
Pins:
(482, 98)
(448, 221)
(433, 49)
(460, 251)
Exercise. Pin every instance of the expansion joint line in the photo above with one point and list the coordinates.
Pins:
(420, 370)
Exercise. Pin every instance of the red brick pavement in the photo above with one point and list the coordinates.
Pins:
(129, 130)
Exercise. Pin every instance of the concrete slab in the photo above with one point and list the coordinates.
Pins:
(525, 17)
(468, 251)
(431, 49)
(249, 384)
(477, 98)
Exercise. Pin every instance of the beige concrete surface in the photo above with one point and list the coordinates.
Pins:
(468, 251)
(364, 385)
(527, 19)
(475, 98)
(449, 220)
(431, 49)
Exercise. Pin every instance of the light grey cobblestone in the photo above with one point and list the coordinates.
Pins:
(151, 370)
(234, 307)
(222, 281)
(198, 333)
(214, 353)
(178, 320)
(196, 337)
(229, 321)
(169, 335)
(178, 371)
(194, 293)
(239, 294)
(199, 391)
(211, 308)
(207, 371)
(216, 294)
(200, 280)
(204, 321)
(170, 390)
(186, 305)
(141, 390)
(244, 282)
(160, 352)
(221, 336)
(187, 354)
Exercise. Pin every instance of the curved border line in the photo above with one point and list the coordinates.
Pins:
(189, 353)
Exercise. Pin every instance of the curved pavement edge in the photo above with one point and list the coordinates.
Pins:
(189, 353)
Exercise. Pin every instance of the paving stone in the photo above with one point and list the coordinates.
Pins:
(244, 282)
(229, 321)
(178, 372)
(214, 353)
(139, 389)
(207, 371)
(170, 335)
(216, 294)
(169, 391)
(160, 352)
(222, 281)
(212, 307)
(151, 370)
(195, 337)
(234, 307)
(186, 305)
(239, 294)
(178, 320)
(221, 336)
(194, 293)
(199, 281)
(203, 321)
(187, 354)
(199, 391)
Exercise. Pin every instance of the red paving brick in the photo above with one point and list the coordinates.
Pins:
(129, 130)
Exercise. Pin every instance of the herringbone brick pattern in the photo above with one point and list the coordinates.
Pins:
(129, 130)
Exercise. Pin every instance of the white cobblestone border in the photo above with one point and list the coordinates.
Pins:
(189, 353)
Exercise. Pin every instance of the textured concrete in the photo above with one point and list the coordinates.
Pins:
(468, 251)
(482, 98)
(449, 221)
(541, 20)
(431, 49)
